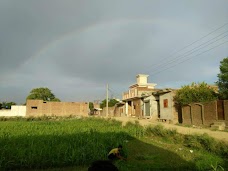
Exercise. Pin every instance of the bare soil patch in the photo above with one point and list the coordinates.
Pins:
(220, 135)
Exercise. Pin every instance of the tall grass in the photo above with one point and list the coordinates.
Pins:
(58, 142)
(195, 141)
(46, 144)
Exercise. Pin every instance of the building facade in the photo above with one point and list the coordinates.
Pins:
(143, 100)
(40, 108)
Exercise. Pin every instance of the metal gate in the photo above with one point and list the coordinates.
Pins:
(220, 110)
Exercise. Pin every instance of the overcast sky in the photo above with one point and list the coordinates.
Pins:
(76, 47)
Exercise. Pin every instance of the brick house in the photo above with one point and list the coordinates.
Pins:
(40, 108)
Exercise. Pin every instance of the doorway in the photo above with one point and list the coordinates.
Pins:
(147, 108)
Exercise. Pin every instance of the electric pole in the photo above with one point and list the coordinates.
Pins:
(107, 100)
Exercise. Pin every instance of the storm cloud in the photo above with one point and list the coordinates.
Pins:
(75, 48)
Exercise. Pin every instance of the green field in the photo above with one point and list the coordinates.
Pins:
(73, 144)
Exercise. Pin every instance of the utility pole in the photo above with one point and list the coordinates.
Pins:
(107, 100)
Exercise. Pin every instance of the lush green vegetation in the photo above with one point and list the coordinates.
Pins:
(223, 79)
(111, 103)
(194, 93)
(6, 105)
(42, 93)
(62, 143)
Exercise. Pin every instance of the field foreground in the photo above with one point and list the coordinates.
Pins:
(73, 144)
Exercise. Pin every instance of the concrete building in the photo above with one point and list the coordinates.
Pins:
(143, 100)
(134, 98)
(166, 107)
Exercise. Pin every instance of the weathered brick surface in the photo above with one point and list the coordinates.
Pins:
(34, 107)
(39, 108)
(110, 111)
(210, 112)
(186, 115)
(137, 108)
(205, 114)
(226, 111)
(197, 110)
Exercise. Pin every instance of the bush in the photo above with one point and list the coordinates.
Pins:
(194, 93)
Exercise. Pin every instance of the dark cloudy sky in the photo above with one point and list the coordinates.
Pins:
(76, 47)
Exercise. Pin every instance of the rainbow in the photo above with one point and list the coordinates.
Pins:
(88, 28)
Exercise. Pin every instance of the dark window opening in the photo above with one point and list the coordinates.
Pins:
(44, 102)
(34, 107)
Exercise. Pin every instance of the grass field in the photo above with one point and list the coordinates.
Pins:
(73, 144)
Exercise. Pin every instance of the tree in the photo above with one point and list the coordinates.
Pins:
(111, 103)
(194, 93)
(7, 105)
(42, 93)
(223, 79)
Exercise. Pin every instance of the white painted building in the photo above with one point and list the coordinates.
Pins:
(14, 111)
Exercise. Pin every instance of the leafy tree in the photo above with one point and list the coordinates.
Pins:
(194, 93)
(111, 103)
(42, 94)
(7, 105)
(223, 79)
(0, 105)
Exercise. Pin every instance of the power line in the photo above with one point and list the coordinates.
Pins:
(185, 54)
(161, 61)
(190, 58)
(189, 52)
(114, 92)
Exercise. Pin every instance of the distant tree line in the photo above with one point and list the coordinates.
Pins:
(6, 105)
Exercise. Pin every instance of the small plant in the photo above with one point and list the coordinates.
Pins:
(217, 167)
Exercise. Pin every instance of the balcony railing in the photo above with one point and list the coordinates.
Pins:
(130, 94)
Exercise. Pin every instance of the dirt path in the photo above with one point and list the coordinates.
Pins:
(183, 130)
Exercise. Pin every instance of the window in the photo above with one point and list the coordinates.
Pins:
(165, 102)
(34, 107)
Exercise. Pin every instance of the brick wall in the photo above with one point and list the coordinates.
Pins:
(205, 113)
(197, 114)
(226, 111)
(39, 108)
(119, 110)
(186, 115)
(110, 111)
(210, 113)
